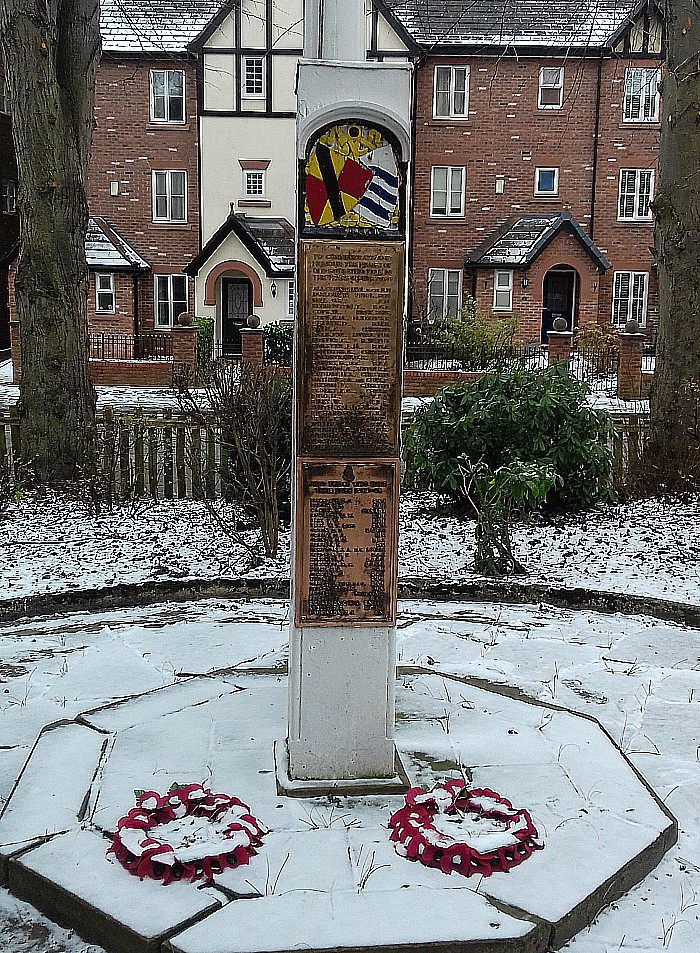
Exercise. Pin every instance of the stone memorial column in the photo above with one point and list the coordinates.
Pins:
(353, 149)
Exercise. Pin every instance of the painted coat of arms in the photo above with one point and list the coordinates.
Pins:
(352, 181)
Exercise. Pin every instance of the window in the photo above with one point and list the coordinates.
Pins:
(104, 294)
(503, 291)
(291, 299)
(167, 95)
(8, 196)
(551, 91)
(171, 298)
(253, 77)
(447, 190)
(254, 183)
(635, 195)
(546, 181)
(444, 293)
(641, 101)
(451, 92)
(630, 297)
(169, 196)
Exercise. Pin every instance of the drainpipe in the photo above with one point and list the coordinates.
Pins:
(595, 147)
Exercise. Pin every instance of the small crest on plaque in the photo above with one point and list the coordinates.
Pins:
(352, 181)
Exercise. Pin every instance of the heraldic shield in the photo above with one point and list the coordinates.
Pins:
(352, 182)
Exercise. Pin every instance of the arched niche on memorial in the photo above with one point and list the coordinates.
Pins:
(352, 181)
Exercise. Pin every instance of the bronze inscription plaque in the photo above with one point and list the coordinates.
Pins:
(351, 310)
(347, 542)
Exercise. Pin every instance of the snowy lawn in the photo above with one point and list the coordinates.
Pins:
(650, 548)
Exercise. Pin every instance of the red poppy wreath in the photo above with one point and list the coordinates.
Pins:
(187, 834)
(470, 832)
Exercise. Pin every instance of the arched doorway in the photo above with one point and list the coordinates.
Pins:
(236, 306)
(559, 298)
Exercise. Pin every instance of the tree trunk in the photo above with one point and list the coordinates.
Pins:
(677, 237)
(51, 50)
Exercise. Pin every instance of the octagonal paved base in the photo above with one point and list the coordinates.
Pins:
(327, 876)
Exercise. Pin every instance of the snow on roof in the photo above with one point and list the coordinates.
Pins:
(154, 26)
(105, 248)
(567, 23)
(520, 241)
(275, 239)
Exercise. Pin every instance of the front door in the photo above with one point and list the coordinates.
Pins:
(236, 303)
(557, 300)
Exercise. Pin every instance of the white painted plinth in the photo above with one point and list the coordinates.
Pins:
(341, 702)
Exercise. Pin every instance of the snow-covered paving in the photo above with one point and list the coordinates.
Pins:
(640, 677)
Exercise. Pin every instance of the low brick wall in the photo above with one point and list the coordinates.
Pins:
(428, 383)
(132, 373)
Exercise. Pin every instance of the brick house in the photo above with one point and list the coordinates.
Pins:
(536, 155)
(9, 220)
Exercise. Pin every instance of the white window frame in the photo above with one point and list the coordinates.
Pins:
(559, 85)
(641, 200)
(444, 310)
(450, 191)
(451, 91)
(108, 278)
(647, 109)
(167, 119)
(290, 311)
(500, 286)
(540, 192)
(247, 183)
(168, 217)
(635, 301)
(170, 301)
(8, 196)
(254, 93)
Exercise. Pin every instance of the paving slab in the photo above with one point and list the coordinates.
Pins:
(52, 789)
(326, 876)
(70, 879)
(416, 919)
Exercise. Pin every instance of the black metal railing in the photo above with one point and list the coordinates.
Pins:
(128, 347)
(440, 357)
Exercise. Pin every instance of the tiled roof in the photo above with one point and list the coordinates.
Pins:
(518, 243)
(105, 248)
(269, 240)
(275, 239)
(519, 23)
(154, 26)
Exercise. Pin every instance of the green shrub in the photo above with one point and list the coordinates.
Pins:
(475, 330)
(530, 416)
(205, 340)
(278, 339)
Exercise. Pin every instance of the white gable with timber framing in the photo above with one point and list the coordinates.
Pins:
(248, 60)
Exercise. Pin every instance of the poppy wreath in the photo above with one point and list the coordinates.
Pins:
(187, 834)
(417, 830)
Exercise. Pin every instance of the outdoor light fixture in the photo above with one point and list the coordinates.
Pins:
(273, 289)
(525, 281)
(114, 187)
(500, 184)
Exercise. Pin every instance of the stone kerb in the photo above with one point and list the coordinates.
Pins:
(629, 374)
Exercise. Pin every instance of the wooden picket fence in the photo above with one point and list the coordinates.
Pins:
(159, 455)
(165, 456)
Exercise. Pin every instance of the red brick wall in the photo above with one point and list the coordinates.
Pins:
(507, 135)
(128, 147)
(623, 146)
(122, 321)
(9, 225)
(132, 373)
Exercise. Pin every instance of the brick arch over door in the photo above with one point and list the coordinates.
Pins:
(243, 269)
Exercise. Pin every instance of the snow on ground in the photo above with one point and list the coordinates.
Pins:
(640, 677)
(49, 545)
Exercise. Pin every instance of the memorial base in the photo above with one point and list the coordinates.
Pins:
(398, 783)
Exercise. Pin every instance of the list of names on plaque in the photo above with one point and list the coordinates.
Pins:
(350, 340)
(349, 533)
